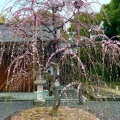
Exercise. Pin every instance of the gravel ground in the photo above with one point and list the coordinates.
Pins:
(109, 110)
(10, 108)
(103, 110)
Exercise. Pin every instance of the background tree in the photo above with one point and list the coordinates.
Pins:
(85, 24)
(89, 25)
(112, 28)
(2, 19)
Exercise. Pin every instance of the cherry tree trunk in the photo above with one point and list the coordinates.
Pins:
(56, 102)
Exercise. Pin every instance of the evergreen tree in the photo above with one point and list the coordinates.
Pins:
(111, 25)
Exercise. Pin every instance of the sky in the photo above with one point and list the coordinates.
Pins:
(2, 3)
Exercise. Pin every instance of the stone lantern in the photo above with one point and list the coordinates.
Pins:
(39, 82)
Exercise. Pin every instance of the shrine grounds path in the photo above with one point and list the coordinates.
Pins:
(105, 110)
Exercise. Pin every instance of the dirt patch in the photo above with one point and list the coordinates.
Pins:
(44, 113)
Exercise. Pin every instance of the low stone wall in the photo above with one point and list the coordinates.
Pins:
(69, 93)
(18, 96)
(21, 95)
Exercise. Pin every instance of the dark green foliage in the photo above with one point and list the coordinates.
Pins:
(83, 24)
(111, 24)
(98, 65)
